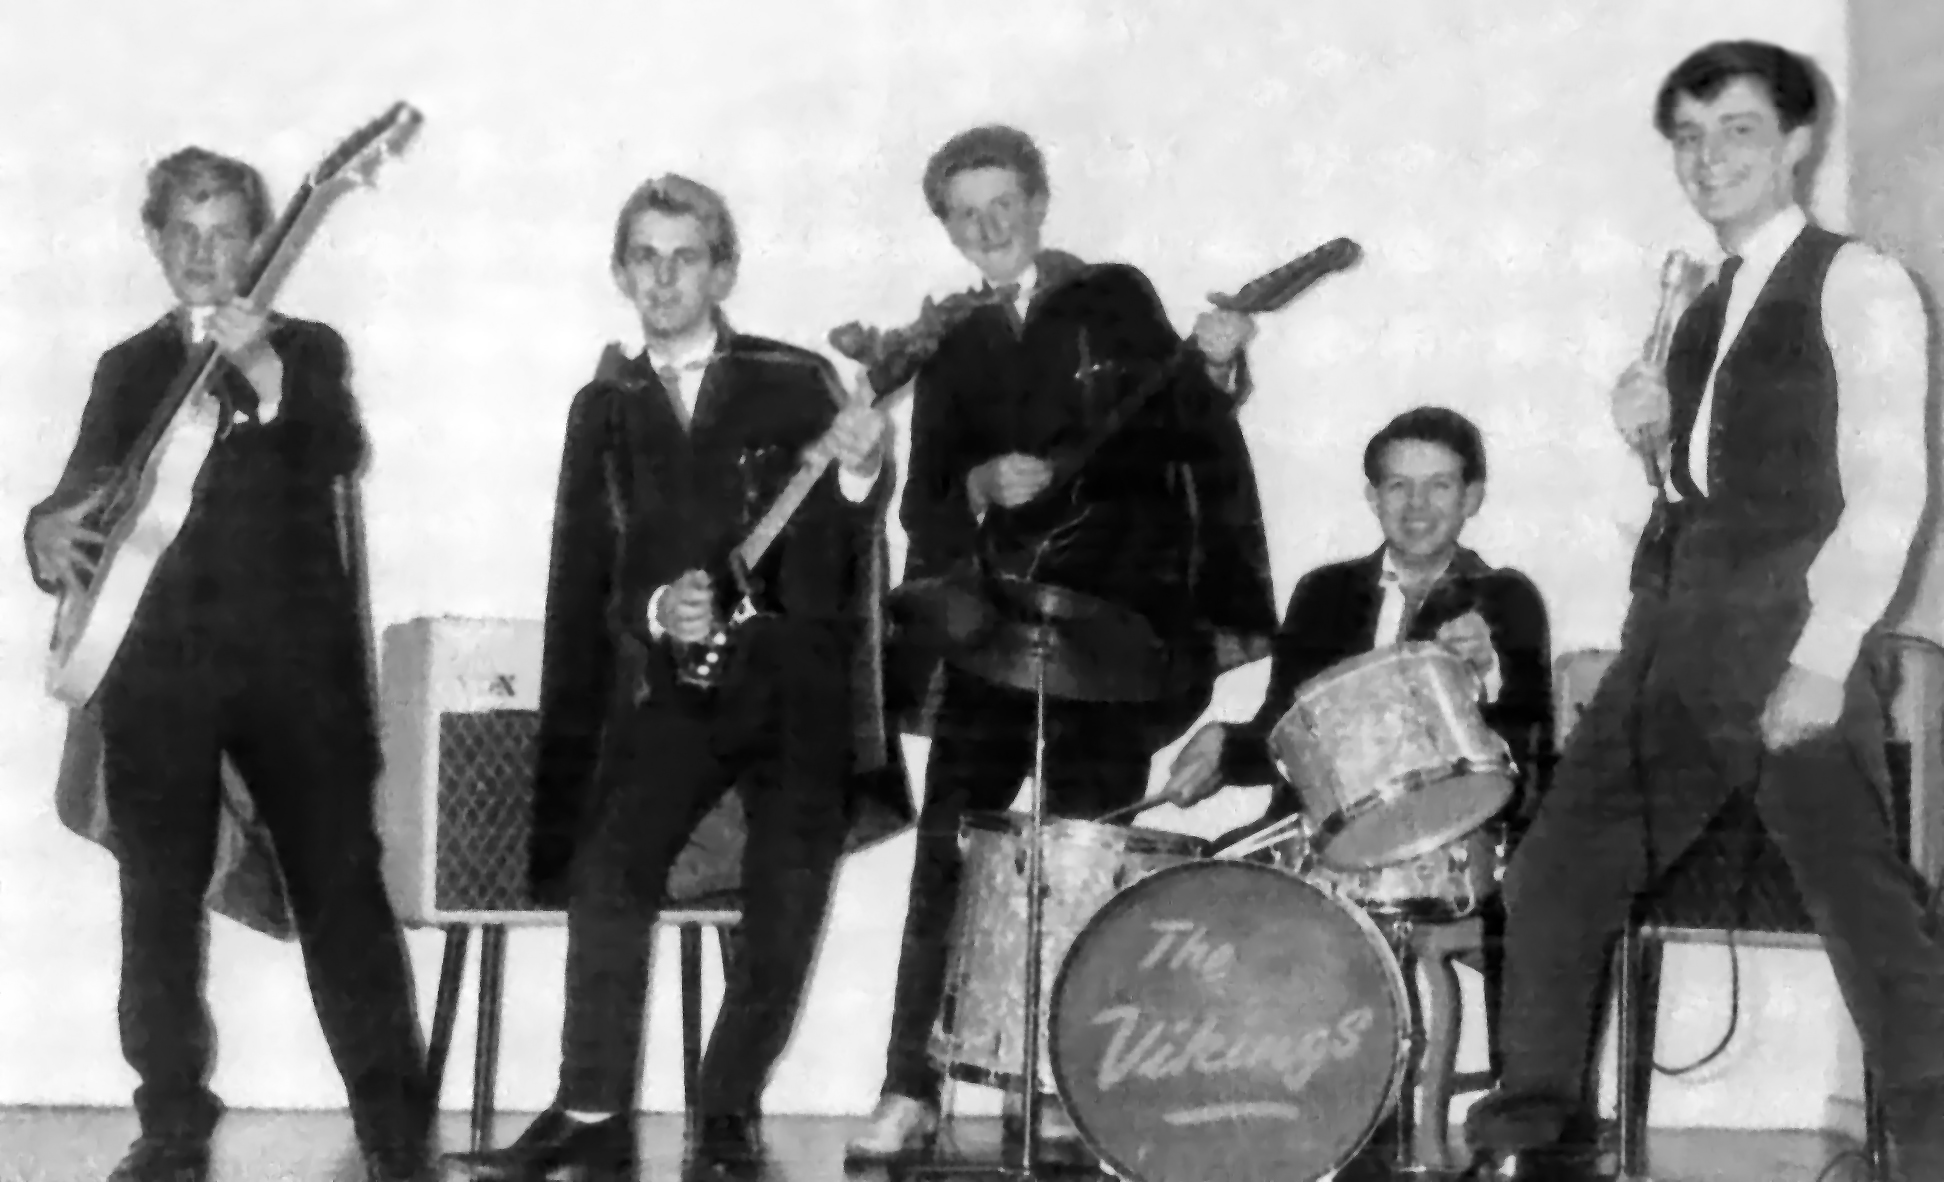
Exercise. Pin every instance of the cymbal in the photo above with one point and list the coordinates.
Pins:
(1002, 628)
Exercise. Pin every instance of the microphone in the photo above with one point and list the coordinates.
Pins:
(1677, 281)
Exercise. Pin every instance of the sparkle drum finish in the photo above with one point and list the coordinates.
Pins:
(1390, 753)
(1449, 883)
(980, 1032)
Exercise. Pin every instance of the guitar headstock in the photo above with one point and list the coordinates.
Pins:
(356, 161)
(1269, 292)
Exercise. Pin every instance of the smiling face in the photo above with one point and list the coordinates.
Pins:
(1736, 164)
(669, 274)
(1422, 501)
(204, 247)
(993, 222)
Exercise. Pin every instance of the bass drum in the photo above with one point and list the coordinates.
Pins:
(1228, 1020)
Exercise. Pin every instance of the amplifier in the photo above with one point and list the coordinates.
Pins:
(1734, 876)
(459, 718)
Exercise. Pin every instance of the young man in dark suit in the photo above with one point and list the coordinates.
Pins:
(1786, 432)
(669, 460)
(248, 642)
(1426, 474)
(1162, 520)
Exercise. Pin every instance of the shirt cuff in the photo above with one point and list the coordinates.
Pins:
(1225, 375)
(1828, 647)
(857, 488)
(655, 629)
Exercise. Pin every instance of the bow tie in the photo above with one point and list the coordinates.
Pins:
(1009, 294)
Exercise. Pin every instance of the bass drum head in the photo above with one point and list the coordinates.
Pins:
(1227, 1020)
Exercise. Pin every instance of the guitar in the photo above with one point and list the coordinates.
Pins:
(1013, 538)
(141, 510)
(699, 665)
(890, 359)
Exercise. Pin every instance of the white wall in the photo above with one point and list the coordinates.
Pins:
(1494, 157)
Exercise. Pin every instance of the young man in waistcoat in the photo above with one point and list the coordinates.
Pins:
(1788, 433)
(248, 643)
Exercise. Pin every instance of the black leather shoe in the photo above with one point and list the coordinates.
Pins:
(728, 1147)
(152, 1159)
(1546, 1164)
(604, 1149)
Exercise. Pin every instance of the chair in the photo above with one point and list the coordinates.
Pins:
(720, 912)
(1733, 887)
(1437, 949)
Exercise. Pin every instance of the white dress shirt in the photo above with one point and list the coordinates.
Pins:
(1874, 322)
(1391, 624)
(198, 316)
(687, 363)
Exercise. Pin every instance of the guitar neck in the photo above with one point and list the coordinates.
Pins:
(1068, 461)
(752, 548)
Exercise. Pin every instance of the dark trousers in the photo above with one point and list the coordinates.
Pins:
(780, 730)
(982, 748)
(1640, 779)
(297, 731)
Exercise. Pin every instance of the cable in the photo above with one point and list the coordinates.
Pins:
(1839, 1157)
(1734, 1018)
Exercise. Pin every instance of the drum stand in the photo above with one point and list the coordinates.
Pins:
(1398, 931)
(1034, 1018)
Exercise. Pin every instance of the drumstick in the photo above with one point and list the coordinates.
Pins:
(1132, 810)
(1269, 835)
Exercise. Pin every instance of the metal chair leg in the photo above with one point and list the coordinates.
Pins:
(492, 975)
(1639, 1003)
(452, 974)
(691, 943)
(1876, 1138)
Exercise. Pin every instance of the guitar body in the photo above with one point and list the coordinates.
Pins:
(89, 626)
(145, 505)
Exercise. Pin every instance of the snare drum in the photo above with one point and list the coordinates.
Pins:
(1449, 883)
(1390, 751)
(1228, 1020)
(980, 1031)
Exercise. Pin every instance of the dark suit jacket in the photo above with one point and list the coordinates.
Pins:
(263, 546)
(1164, 518)
(1333, 617)
(271, 545)
(641, 501)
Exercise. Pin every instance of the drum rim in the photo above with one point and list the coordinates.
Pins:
(1393, 975)
(1410, 650)
(1146, 840)
(1398, 789)
(1415, 908)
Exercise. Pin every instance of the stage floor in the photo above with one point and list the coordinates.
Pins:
(82, 1145)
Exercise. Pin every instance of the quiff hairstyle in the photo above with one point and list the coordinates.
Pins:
(195, 175)
(677, 195)
(991, 146)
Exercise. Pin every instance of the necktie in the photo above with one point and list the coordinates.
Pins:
(1726, 279)
(670, 375)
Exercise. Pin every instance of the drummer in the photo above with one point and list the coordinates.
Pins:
(1426, 473)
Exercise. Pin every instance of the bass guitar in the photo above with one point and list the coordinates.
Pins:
(142, 508)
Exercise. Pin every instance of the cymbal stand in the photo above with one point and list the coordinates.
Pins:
(1035, 915)
(1034, 1020)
